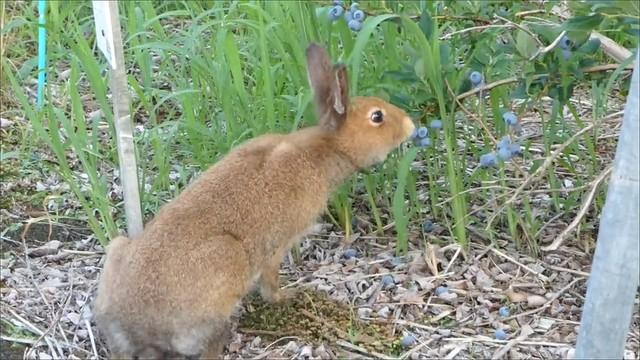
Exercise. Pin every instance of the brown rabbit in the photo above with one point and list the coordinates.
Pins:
(173, 289)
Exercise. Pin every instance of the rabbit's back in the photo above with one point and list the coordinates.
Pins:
(205, 250)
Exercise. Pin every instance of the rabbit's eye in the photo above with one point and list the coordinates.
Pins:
(377, 117)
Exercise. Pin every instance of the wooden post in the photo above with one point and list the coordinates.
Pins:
(109, 40)
(614, 279)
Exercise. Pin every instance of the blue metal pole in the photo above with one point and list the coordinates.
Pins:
(42, 50)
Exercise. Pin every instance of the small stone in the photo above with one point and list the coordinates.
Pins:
(384, 312)
(535, 300)
(306, 352)
(255, 343)
(322, 353)
(291, 347)
(364, 312)
(441, 290)
(448, 296)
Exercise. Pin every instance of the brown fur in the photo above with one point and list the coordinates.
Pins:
(173, 289)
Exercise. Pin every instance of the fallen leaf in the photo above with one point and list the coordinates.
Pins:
(516, 297)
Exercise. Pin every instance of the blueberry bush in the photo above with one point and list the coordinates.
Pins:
(496, 89)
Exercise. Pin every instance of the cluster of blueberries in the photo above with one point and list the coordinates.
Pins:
(420, 135)
(353, 16)
(505, 149)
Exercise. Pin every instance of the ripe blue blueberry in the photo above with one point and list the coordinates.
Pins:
(355, 25)
(504, 142)
(407, 340)
(427, 226)
(504, 153)
(501, 334)
(424, 142)
(423, 132)
(350, 253)
(337, 2)
(358, 15)
(348, 16)
(388, 281)
(441, 290)
(504, 311)
(436, 124)
(488, 160)
(335, 12)
(514, 149)
(565, 43)
(475, 78)
(510, 118)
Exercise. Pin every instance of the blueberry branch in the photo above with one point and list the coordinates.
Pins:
(547, 162)
(511, 80)
(583, 210)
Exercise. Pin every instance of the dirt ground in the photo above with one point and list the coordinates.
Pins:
(440, 302)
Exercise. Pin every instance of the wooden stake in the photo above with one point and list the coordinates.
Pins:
(109, 40)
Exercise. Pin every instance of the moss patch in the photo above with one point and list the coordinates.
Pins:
(313, 317)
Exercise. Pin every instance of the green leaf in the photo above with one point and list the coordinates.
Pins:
(426, 24)
(583, 23)
(590, 47)
(525, 44)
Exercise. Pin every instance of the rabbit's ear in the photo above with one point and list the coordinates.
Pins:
(330, 87)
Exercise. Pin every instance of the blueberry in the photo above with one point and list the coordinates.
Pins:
(388, 281)
(354, 6)
(504, 153)
(337, 2)
(355, 25)
(488, 160)
(347, 16)
(504, 142)
(501, 334)
(407, 340)
(441, 290)
(358, 15)
(397, 261)
(566, 54)
(514, 149)
(504, 311)
(565, 43)
(335, 12)
(350, 253)
(423, 132)
(424, 142)
(436, 124)
(427, 226)
(475, 78)
(510, 118)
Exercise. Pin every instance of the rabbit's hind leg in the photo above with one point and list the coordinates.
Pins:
(218, 340)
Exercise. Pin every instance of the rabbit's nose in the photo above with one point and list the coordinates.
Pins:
(410, 130)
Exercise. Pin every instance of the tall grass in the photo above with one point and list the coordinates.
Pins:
(205, 76)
